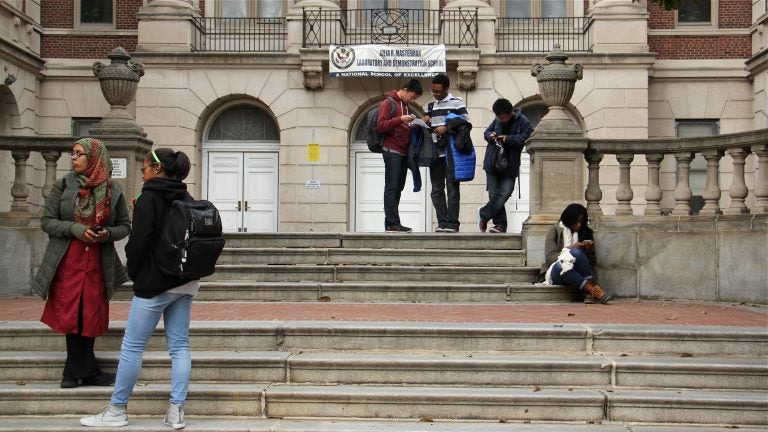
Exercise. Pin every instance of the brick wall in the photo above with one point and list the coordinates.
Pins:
(701, 47)
(125, 14)
(202, 8)
(735, 14)
(84, 47)
(60, 14)
(57, 14)
(731, 14)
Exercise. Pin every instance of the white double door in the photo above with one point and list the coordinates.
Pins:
(415, 207)
(244, 187)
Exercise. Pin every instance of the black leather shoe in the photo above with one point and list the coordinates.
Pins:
(70, 383)
(103, 379)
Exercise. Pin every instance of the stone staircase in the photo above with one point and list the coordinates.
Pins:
(324, 376)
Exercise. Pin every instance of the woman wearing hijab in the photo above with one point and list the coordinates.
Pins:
(85, 213)
(570, 254)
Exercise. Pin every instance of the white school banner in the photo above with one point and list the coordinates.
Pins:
(417, 61)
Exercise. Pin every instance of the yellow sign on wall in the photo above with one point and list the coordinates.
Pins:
(313, 152)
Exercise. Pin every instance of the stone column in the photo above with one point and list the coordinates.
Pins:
(619, 26)
(166, 26)
(126, 141)
(557, 149)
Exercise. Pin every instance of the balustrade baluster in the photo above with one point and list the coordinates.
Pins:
(19, 190)
(593, 194)
(738, 190)
(712, 191)
(653, 193)
(624, 193)
(51, 160)
(761, 181)
(683, 192)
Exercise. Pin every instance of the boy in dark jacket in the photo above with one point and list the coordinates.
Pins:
(510, 129)
(397, 139)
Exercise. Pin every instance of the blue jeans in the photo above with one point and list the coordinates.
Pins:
(142, 320)
(499, 190)
(578, 275)
(447, 212)
(395, 173)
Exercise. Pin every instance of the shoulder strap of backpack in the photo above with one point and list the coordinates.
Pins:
(391, 106)
(429, 108)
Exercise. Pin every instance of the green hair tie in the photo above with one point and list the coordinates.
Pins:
(154, 156)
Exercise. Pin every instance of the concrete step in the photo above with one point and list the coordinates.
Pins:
(408, 402)
(518, 404)
(457, 241)
(203, 399)
(357, 273)
(239, 424)
(420, 369)
(456, 338)
(359, 256)
(439, 292)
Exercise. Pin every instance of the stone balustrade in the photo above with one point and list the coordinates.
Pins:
(50, 148)
(738, 146)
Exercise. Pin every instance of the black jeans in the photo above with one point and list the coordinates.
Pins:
(395, 172)
(500, 188)
(81, 361)
(447, 212)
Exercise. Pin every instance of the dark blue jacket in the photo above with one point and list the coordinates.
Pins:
(520, 132)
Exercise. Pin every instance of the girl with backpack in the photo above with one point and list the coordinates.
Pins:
(155, 293)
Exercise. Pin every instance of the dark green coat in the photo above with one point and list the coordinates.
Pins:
(58, 221)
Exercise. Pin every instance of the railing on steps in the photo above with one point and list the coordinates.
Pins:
(738, 146)
(539, 35)
(50, 148)
(453, 27)
(239, 34)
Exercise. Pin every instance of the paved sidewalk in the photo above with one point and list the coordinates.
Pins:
(620, 312)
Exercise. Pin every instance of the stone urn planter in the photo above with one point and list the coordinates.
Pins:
(119, 81)
(556, 83)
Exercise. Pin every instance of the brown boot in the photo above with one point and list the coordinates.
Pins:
(596, 292)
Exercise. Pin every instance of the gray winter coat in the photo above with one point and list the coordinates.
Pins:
(58, 221)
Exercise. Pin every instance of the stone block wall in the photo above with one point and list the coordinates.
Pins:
(706, 259)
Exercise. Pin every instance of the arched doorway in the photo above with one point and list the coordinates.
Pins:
(367, 188)
(240, 153)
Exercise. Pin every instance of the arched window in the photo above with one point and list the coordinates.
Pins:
(244, 123)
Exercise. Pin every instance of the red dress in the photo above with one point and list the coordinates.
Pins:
(78, 277)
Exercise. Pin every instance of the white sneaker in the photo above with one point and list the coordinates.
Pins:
(112, 416)
(174, 417)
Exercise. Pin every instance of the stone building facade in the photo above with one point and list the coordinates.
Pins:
(245, 102)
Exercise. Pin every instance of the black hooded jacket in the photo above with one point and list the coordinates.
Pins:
(149, 215)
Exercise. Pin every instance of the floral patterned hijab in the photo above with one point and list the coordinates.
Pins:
(93, 199)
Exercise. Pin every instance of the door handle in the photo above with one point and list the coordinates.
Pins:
(238, 208)
(246, 206)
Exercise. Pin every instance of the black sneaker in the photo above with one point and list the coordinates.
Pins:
(398, 228)
(103, 379)
(498, 229)
(69, 382)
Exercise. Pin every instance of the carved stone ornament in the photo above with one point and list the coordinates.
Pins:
(556, 79)
(556, 84)
(313, 77)
(119, 81)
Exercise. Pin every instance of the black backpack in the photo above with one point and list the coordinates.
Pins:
(373, 138)
(191, 241)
